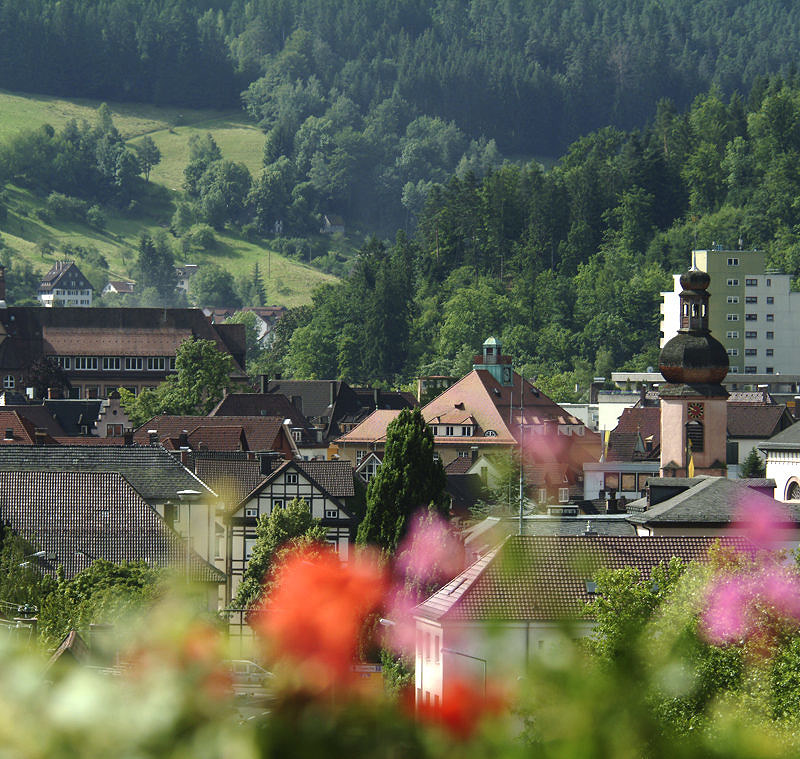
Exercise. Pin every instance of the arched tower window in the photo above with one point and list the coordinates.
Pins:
(793, 491)
(694, 435)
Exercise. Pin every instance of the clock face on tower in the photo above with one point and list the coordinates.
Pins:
(507, 375)
(695, 411)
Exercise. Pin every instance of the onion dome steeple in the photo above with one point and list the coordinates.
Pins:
(693, 356)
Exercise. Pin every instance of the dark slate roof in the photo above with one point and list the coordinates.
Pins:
(78, 517)
(232, 478)
(64, 270)
(751, 421)
(331, 399)
(264, 404)
(73, 414)
(335, 476)
(544, 578)
(373, 397)
(39, 416)
(710, 501)
(615, 525)
(154, 473)
(465, 490)
(788, 439)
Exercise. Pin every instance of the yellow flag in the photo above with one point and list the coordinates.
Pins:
(690, 467)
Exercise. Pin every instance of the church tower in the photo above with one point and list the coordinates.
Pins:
(694, 404)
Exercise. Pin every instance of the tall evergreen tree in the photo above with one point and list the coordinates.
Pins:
(408, 480)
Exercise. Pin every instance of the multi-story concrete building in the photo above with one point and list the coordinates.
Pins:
(754, 312)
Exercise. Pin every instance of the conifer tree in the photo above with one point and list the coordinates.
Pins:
(408, 480)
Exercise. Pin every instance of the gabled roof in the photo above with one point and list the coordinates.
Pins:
(78, 517)
(73, 415)
(372, 429)
(16, 429)
(637, 426)
(333, 400)
(120, 286)
(264, 404)
(232, 478)
(761, 422)
(336, 477)
(263, 433)
(459, 465)
(543, 578)
(154, 473)
(66, 276)
(333, 476)
(707, 501)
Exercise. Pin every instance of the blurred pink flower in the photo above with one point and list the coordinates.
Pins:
(430, 550)
(726, 616)
(761, 521)
(781, 590)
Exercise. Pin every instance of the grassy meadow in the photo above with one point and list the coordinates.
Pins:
(288, 282)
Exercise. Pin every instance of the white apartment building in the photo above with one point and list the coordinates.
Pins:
(753, 312)
(65, 285)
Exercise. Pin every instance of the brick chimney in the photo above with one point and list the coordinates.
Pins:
(153, 437)
(127, 435)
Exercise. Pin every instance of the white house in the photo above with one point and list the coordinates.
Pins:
(65, 285)
(522, 600)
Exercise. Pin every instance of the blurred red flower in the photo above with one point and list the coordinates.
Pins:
(316, 611)
(464, 705)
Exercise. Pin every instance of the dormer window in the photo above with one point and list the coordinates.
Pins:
(490, 433)
(466, 431)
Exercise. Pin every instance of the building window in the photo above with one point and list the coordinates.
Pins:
(490, 433)
(770, 370)
(155, 363)
(733, 317)
(769, 282)
(331, 513)
(751, 317)
(733, 262)
(733, 299)
(733, 283)
(92, 391)
(65, 362)
(751, 351)
(435, 660)
(770, 317)
(85, 363)
(733, 335)
(435, 455)
(249, 543)
(751, 299)
(751, 282)
(448, 431)
(770, 351)
(111, 363)
(427, 651)
(733, 351)
(251, 512)
(463, 454)
(8, 382)
(542, 495)
(694, 435)
(466, 431)
(770, 300)
(770, 335)
(277, 503)
(171, 363)
(360, 456)
(297, 436)
(733, 370)
(133, 364)
(750, 370)
(563, 495)
(291, 479)
(750, 335)
(113, 430)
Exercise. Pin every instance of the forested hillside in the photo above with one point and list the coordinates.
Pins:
(366, 102)
(565, 266)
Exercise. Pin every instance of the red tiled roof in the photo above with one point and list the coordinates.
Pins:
(18, 430)
(459, 465)
(372, 429)
(263, 433)
(543, 578)
(111, 341)
(644, 421)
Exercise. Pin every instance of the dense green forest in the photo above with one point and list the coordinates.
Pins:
(366, 102)
(564, 265)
